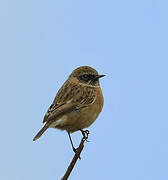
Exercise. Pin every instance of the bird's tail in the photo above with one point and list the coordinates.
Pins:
(40, 132)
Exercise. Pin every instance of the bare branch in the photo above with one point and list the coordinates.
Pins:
(75, 158)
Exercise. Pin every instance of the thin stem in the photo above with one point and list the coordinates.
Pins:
(75, 158)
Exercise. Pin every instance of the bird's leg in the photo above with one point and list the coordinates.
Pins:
(74, 149)
(85, 134)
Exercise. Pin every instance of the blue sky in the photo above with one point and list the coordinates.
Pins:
(41, 43)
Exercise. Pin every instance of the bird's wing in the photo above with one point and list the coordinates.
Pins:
(50, 111)
(70, 97)
(61, 110)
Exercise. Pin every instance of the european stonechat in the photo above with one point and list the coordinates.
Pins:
(77, 104)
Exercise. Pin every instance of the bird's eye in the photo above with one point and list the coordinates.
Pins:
(85, 77)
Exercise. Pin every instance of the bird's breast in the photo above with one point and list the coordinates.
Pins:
(82, 118)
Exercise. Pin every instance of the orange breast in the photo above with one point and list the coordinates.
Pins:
(89, 114)
(85, 117)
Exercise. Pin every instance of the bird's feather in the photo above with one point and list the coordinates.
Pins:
(70, 97)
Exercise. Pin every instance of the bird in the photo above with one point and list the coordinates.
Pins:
(77, 104)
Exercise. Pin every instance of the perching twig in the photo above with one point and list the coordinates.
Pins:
(76, 156)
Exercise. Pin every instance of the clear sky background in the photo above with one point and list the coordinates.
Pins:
(41, 42)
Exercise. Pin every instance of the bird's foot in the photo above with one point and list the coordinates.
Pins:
(85, 134)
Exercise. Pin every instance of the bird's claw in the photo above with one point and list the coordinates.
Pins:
(85, 134)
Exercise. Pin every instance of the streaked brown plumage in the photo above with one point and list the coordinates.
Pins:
(77, 104)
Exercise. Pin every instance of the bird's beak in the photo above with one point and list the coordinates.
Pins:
(100, 76)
